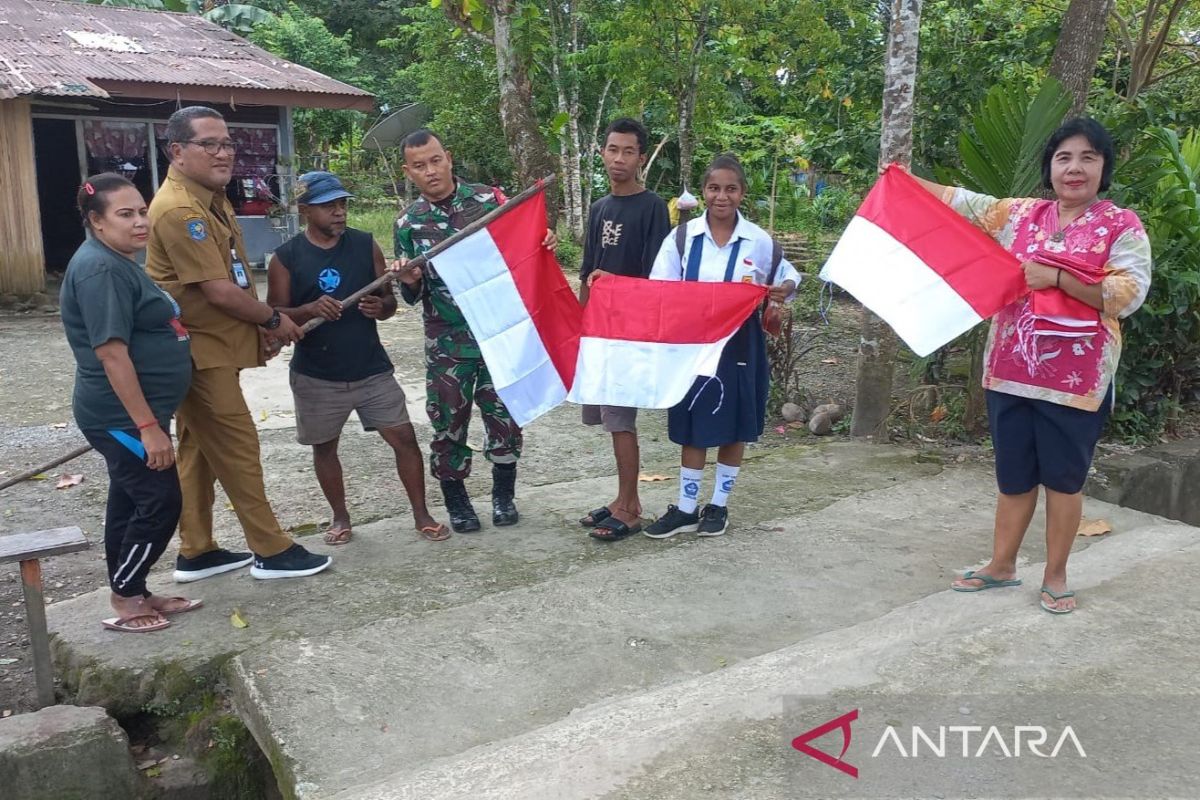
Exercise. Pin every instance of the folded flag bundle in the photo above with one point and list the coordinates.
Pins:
(1056, 313)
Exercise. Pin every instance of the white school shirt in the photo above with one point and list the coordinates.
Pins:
(753, 259)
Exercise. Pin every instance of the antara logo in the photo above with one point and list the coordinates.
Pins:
(1030, 738)
(801, 742)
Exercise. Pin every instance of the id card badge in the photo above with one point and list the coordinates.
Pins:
(238, 269)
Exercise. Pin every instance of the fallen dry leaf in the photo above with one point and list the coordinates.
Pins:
(59, 425)
(263, 416)
(644, 478)
(237, 620)
(67, 481)
(938, 414)
(41, 476)
(1094, 527)
(6, 713)
(147, 764)
(795, 425)
(830, 361)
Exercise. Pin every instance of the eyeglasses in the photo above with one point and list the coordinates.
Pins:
(213, 148)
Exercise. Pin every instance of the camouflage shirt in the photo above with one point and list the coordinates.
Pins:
(425, 224)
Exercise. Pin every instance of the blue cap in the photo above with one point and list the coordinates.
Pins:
(315, 188)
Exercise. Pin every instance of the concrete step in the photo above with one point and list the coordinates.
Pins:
(390, 700)
(388, 574)
(1120, 671)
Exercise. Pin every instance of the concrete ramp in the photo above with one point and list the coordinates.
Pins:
(1121, 669)
(543, 690)
(537, 663)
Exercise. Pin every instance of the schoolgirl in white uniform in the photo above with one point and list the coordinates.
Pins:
(728, 410)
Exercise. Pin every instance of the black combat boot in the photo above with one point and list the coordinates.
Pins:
(504, 481)
(463, 518)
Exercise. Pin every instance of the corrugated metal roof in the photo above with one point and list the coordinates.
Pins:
(41, 53)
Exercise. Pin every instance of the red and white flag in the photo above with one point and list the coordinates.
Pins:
(520, 307)
(641, 343)
(644, 342)
(922, 267)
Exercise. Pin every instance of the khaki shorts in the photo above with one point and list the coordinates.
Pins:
(322, 407)
(615, 419)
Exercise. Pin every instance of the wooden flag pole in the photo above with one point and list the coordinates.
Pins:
(476, 226)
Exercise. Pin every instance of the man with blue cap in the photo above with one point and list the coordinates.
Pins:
(342, 366)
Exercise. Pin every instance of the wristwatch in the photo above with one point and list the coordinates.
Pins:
(273, 322)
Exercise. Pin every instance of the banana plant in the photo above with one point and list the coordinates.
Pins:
(241, 18)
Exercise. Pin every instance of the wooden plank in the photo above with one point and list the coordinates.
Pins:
(40, 544)
(39, 636)
(22, 261)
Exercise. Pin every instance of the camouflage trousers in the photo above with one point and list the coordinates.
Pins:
(452, 384)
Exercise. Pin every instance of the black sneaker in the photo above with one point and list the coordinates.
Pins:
(205, 565)
(295, 562)
(673, 522)
(713, 520)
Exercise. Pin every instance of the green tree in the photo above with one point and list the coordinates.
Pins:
(305, 40)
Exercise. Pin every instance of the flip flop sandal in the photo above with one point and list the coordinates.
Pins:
(434, 533)
(988, 582)
(594, 518)
(123, 625)
(613, 530)
(1057, 597)
(192, 605)
(336, 537)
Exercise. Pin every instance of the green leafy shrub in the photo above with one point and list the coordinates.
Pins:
(570, 254)
(1160, 361)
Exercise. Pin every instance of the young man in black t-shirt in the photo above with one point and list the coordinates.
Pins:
(342, 366)
(626, 228)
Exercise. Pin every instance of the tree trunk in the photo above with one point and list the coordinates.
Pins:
(566, 81)
(593, 146)
(530, 154)
(877, 344)
(1079, 43)
(1145, 52)
(687, 101)
(525, 142)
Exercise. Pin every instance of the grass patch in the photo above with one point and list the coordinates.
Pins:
(378, 221)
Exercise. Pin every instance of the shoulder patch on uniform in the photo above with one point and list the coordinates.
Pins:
(191, 216)
(196, 230)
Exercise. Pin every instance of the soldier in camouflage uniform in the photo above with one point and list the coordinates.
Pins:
(456, 374)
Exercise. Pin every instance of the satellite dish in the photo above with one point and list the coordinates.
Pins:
(390, 131)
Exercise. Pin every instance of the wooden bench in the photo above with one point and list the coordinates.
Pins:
(28, 548)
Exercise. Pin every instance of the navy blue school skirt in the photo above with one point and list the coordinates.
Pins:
(731, 406)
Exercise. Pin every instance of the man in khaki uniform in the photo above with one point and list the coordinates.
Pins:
(197, 255)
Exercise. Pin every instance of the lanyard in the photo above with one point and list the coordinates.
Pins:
(693, 265)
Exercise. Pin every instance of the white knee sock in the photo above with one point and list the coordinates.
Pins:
(726, 478)
(689, 489)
